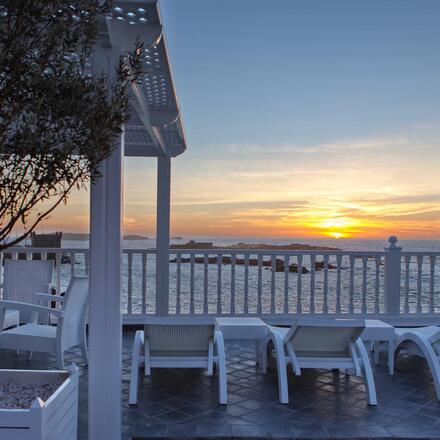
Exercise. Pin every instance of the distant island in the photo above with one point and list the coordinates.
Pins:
(250, 246)
(135, 237)
(77, 236)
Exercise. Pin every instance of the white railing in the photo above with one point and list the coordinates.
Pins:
(275, 284)
(234, 282)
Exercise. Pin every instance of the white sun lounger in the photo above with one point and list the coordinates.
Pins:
(423, 342)
(168, 343)
(321, 343)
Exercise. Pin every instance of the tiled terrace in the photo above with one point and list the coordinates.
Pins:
(324, 404)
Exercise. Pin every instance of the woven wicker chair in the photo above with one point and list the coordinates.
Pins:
(320, 343)
(21, 280)
(70, 329)
(168, 343)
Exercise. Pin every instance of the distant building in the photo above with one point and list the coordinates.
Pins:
(46, 240)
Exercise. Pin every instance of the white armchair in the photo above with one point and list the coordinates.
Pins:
(68, 333)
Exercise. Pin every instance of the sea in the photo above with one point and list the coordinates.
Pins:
(237, 291)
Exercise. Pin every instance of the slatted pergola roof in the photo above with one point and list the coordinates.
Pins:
(155, 126)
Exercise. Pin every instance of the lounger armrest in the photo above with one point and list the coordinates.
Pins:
(25, 307)
(48, 297)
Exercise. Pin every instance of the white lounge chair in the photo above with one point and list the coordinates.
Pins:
(320, 343)
(69, 331)
(168, 343)
(21, 279)
(423, 342)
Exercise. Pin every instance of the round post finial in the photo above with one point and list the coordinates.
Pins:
(392, 241)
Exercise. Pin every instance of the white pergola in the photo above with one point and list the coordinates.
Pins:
(154, 130)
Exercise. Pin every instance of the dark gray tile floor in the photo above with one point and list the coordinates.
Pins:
(324, 404)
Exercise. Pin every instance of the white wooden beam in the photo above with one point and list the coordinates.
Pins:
(105, 322)
(163, 234)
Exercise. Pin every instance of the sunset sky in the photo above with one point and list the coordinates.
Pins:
(304, 118)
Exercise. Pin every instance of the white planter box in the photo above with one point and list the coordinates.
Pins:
(55, 419)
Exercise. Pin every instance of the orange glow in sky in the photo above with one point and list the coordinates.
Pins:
(287, 191)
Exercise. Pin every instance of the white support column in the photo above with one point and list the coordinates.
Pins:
(392, 272)
(163, 234)
(105, 322)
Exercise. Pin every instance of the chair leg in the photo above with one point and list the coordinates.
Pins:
(60, 359)
(283, 389)
(390, 348)
(138, 345)
(18, 351)
(147, 364)
(84, 352)
(258, 351)
(367, 373)
(221, 368)
(211, 357)
(264, 354)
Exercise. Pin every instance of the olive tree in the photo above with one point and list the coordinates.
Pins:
(57, 121)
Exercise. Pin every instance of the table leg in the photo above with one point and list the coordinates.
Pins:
(376, 352)
(257, 351)
(391, 357)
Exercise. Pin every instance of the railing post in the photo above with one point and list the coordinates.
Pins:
(392, 272)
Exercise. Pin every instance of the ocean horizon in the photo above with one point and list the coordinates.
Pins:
(345, 244)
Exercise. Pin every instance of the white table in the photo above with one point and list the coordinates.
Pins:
(378, 332)
(244, 328)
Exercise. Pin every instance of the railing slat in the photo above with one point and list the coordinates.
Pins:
(246, 284)
(58, 257)
(233, 262)
(431, 283)
(338, 283)
(325, 287)
(299, 260)
(364, 283)
(205, 284)
(144, 282)
(272, 286)
(407, 269)
(351, 288)
(192, 284)
(286, 283)
(378, 261)
(178, 283)
(260, 285)
(419, 282)
(130, 284)
(219, 283)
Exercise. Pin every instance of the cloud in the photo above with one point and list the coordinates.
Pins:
(393, 141)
